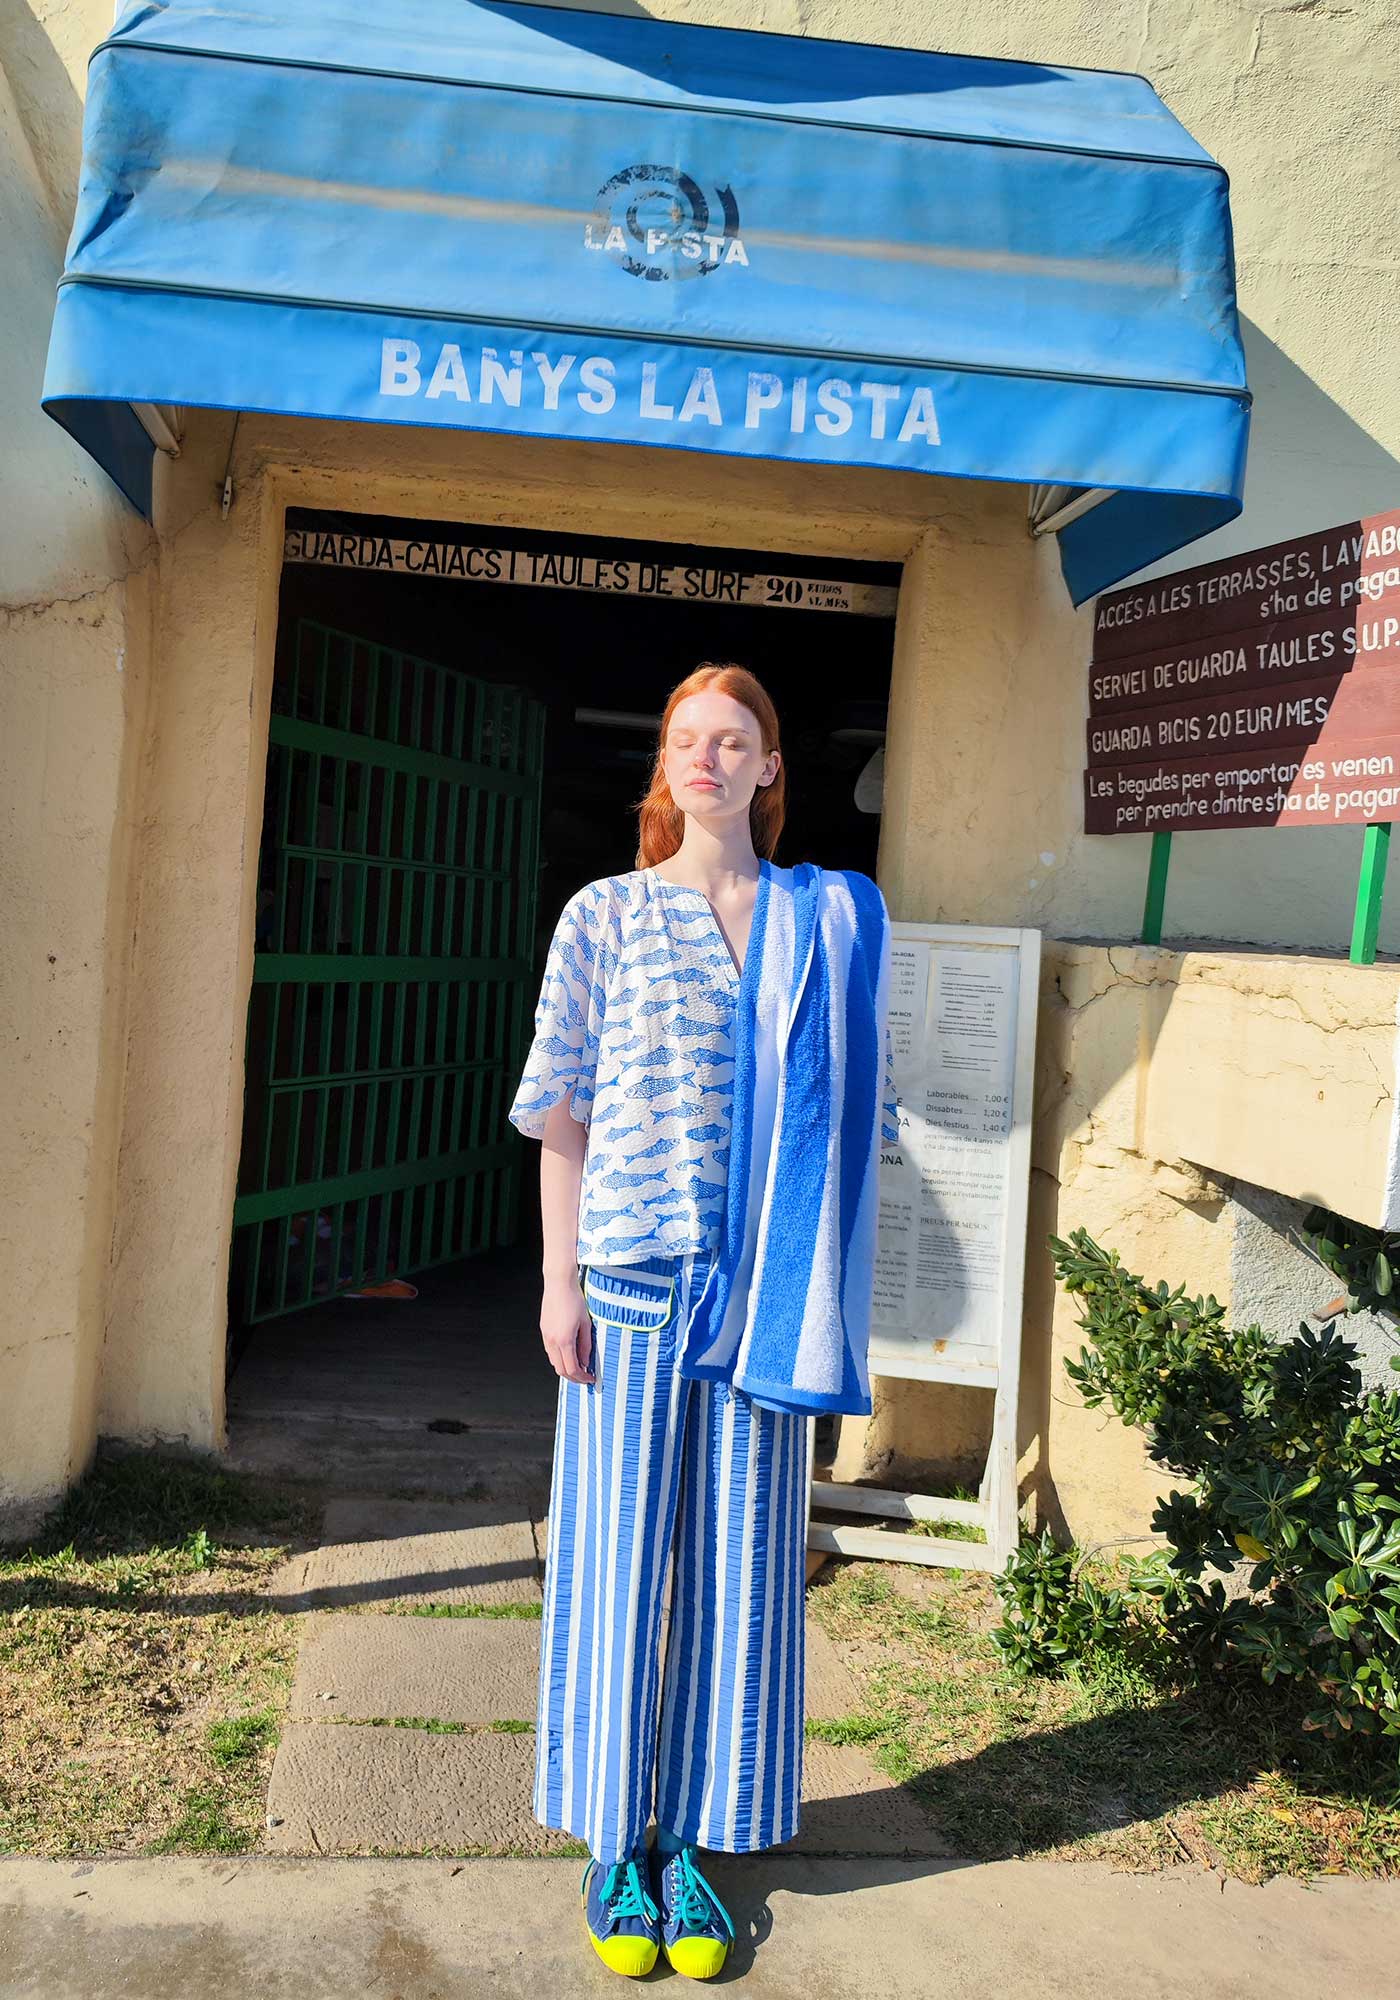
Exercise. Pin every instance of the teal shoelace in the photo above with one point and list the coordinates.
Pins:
(624, 1894)
(697, 1906)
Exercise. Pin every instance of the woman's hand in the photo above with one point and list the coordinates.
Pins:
(567, 1330)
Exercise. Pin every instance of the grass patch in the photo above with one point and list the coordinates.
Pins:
(1116, 1762)
(204, 1827)
(143, 1676)
(235, 1738)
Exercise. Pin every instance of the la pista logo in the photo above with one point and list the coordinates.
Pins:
(658, 223)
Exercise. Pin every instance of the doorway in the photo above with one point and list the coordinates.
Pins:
(463, 722)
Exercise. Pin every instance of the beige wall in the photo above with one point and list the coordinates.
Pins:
(135, 692)
(73, 616)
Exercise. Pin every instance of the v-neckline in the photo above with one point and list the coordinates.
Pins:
(689, 888)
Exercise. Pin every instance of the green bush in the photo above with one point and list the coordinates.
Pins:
(1366, 1260)
(1291, 1465)
(1051, 1614)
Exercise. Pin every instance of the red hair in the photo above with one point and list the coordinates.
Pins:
(660, 821)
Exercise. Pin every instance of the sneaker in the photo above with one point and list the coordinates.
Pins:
(695, 1926)
(623, 1921)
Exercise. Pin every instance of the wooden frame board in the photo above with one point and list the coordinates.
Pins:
(977, 1341)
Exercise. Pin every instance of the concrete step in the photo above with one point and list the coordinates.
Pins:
(379, 1554)
(374, 1790)
(475, 1670)
(403, 1791)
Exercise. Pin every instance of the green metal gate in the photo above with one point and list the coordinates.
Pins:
(391, 987)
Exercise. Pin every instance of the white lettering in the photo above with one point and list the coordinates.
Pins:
(920, 419)
(552, 375)
(660, 412)
(701, 399)
(494, 376)
(765, 393)
(881, 394)
(598, 394)
(449, 376)
(398, 368)
(835, 414)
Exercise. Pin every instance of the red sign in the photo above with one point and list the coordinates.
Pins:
(1262, 690)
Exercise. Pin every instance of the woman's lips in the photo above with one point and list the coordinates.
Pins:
(702, 785)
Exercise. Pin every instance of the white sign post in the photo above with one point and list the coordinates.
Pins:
(950, 1263)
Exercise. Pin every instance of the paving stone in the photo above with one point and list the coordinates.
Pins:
(831, 1690)
(379, 1552)
(398, 1791)
(848, 1807)
(447, 1669)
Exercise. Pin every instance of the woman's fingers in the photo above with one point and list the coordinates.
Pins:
(571, 1354)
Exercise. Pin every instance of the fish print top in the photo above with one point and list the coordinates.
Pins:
(636, 1016)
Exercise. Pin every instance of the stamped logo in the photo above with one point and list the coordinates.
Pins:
(657, 223)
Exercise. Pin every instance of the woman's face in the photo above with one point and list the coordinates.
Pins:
(714, 758)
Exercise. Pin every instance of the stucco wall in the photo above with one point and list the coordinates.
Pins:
(72, 666)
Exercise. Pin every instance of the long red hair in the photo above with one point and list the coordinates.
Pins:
(660, 821)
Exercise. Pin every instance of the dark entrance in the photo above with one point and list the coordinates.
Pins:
(523, 737)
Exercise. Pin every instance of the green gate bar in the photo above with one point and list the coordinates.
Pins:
(391, 985)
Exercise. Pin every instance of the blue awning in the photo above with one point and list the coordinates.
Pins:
(524, 219)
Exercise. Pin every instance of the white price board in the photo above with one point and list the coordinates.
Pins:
(950, 1259)
(953, 1191)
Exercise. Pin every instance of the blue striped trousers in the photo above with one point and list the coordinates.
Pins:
(657, 1479)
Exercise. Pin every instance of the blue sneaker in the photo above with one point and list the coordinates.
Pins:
(695, 1926)
(623, 1921)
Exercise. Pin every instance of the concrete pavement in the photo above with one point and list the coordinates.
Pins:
(867, 1929)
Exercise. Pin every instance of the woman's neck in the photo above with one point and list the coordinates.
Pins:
(713, 859)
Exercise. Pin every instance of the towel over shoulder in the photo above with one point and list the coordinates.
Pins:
(784, 1315)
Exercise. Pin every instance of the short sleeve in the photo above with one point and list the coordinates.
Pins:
(889, 1128)
(568, 1017)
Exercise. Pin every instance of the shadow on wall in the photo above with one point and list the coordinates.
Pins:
(865, 67)
(49, 107)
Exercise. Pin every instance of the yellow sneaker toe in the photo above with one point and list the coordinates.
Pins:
(633, 1957)
(698, 1957)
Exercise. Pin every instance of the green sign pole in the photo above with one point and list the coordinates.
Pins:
(1370, 888)
(1156, 888)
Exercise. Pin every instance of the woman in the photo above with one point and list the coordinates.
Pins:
(708, 1223)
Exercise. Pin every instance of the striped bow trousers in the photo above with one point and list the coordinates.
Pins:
(660, 1480)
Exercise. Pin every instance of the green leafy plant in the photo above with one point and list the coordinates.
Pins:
(1366, 1260)
(1053, 1614)
(1291, 1466)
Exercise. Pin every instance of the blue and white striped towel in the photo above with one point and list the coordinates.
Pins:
(784, 1314)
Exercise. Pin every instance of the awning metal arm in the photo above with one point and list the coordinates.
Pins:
(161, 424)
(1054, 507)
